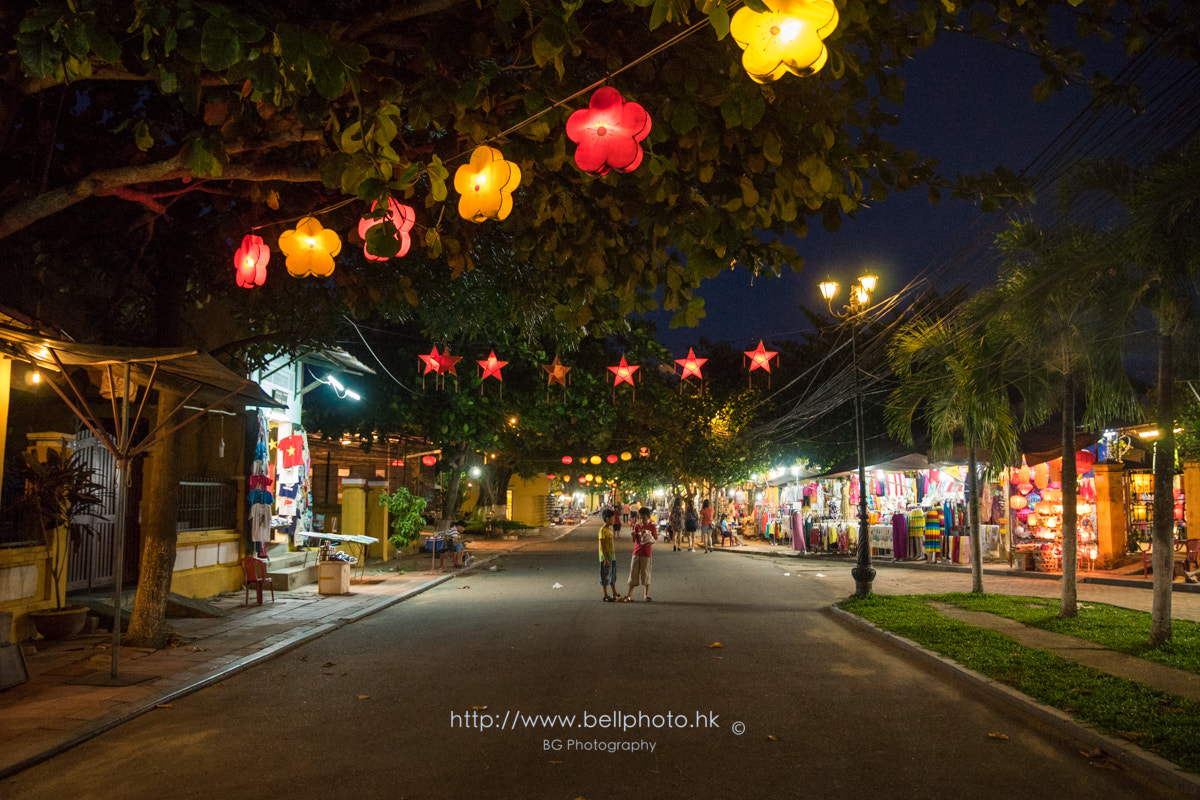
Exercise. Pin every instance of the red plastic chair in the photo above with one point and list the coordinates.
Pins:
(1192, 555)
(255, 570)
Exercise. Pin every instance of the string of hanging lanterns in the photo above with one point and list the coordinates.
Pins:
(788, 38)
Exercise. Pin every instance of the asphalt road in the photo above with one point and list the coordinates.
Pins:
(437, 697)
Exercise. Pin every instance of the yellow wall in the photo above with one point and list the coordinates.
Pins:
(529, 499)
(223, 547)
(18, 560)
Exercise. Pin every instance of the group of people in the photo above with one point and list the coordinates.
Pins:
(681, 521)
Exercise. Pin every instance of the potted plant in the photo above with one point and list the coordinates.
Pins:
(405, 512)
(58, 491)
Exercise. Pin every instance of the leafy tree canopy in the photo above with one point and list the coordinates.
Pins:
(132, 117)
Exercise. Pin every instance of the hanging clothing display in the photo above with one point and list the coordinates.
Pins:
(259, 491)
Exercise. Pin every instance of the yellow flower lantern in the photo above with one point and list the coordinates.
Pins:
(786, 39)
(310, 249)
(486, 184)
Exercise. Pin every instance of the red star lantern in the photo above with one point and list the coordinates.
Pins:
(623, 372)
(608, 133)
(440, 364)
(556, 373)
(400, 215)
(691, 366)
(760, 358)
(490, 368)
(250, 262)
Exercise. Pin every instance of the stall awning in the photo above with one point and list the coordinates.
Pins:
(187, 372)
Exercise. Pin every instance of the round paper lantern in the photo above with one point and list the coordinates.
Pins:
(626, 455)
(310, 249)
(1084, 460)
(250, 262)
(589, 477)
(582, 479)
(1023, 514)
(1034, 498)
(486, 185)
(1041, 475)
(1032, 520)
(566, 478)
(1044, 507)
(594, 459)
(788, 38)
(550, 476)
(567, 459)
(429, 461)
(612, 459)
(608, 133)
(1053, 495)
(1017, 502)
(400, 215)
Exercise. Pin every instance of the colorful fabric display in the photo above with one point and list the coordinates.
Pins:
(899, 535)
(933, 532)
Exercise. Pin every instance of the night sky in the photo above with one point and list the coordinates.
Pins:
(969, 105)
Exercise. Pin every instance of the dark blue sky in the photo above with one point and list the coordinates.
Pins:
(969, 105)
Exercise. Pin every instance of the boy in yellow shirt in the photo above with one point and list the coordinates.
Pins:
(608, 559)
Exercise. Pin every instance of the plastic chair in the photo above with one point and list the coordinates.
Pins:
(255, 570)
(1192, 555)
(1147, 561)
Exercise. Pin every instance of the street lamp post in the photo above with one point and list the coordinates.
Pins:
(860, 300)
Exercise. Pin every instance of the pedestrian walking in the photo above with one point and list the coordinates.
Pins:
(608, 559)
(644, 535)
(706, 525)
(675, 523)
(691, 523)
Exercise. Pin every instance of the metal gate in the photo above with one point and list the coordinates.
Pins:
(90, 566)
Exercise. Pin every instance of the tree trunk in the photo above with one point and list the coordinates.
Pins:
(147, 624)
(976, 538)
(453, 481)
(1164, 496)
(1070, 481)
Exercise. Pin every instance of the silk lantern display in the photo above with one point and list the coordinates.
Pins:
(401, 216)
(608, 132)
(250, 262)
(787, 38)
(310, 249)
(485, 185)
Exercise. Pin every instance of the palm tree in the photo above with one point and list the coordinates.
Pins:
(1161, 239)
(945, 369)
(1060, 310)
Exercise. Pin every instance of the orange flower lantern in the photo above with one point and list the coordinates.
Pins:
(485, 185)
(400, 215)
(608, 133)
(250, 262)
(788, 38)
(310, 249)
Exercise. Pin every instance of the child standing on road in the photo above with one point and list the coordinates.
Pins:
(644, 535)
(608, 560)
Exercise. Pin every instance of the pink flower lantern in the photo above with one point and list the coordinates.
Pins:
(250, 262)
(398, 214)
(608, 132)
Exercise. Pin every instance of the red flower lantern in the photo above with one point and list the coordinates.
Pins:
(608, 132)
(250, 262)
(399, 215)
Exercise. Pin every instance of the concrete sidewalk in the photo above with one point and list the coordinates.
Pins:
(66, 700)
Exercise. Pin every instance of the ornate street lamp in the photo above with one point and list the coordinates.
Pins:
(860, 300)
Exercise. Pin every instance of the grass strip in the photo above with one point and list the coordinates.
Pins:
(1157, 721)
(1120, 629)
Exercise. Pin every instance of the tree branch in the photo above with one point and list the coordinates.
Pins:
(397, 12)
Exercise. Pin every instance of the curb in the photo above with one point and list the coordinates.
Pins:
(1083, 577)
(1129, 755)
